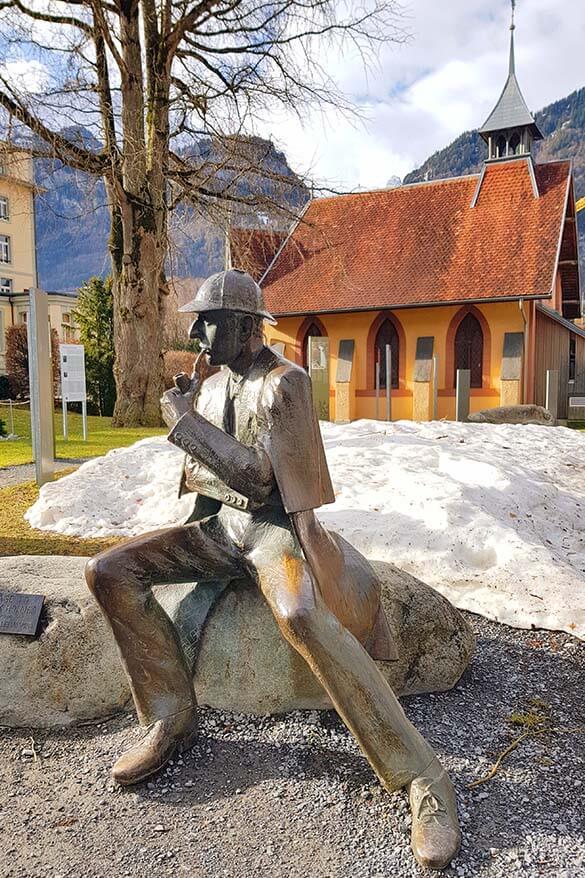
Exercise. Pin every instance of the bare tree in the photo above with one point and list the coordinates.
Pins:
(170, 90)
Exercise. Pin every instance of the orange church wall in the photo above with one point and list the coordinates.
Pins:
(411, 323)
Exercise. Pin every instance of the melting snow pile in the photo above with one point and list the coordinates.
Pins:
(491, 516)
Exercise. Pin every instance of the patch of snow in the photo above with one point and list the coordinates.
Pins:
(490, 515)
(128, 491)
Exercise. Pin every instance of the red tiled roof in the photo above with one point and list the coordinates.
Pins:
(254, 249)
(424, 243)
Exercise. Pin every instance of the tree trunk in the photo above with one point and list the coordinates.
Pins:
(138, 246)
(138, 280)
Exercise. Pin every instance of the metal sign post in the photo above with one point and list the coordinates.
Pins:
(435, 388)
(388, 382)
(40, 373)
(73, 387)
(552, 392)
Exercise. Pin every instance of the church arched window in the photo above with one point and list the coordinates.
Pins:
(387, 335)
(469, 349)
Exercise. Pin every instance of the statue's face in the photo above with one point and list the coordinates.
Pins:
(223, 334)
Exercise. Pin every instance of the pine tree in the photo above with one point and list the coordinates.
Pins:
(94, 315)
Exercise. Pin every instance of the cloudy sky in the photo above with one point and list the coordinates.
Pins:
(443, 81)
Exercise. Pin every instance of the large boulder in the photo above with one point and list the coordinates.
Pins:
(71, 671)
(514, 414)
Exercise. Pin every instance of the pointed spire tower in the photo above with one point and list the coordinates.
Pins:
(510, 129)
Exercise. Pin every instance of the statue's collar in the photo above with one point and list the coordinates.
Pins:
(236, 378)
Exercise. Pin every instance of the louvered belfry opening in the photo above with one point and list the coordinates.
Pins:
(387, 335)
(469, 349)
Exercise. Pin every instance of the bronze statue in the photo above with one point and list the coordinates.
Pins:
(255, 460)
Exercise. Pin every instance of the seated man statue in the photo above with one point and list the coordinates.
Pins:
(256, 462)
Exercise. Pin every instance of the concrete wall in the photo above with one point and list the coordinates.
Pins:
(440, 322)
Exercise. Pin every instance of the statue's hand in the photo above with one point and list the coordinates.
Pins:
(179, 399)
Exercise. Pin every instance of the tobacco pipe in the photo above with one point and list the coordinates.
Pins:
(183, 381)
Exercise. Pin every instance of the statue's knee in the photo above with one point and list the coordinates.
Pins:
(100, 572)
(296, 621)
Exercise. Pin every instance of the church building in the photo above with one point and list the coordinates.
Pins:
(476, 273)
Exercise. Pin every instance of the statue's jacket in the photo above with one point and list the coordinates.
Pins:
(274, 414)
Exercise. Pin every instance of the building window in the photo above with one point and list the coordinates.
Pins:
(5, 286)
(469, 349)
(572, 357)
(23, 317)
(4, 208)
(314, 331)
(387, 335)
(4, 248)
(66, 327)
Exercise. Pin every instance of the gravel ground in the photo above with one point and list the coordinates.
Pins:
(281, 795)
(25, 472)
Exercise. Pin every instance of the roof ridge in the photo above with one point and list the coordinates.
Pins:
(388, 189)
(567, 161)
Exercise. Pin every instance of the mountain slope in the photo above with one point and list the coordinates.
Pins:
(73, 223)
(563, 126)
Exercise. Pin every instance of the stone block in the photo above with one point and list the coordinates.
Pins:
(72, 671)
(514, 414)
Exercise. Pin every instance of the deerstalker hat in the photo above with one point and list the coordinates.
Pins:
(232, 290)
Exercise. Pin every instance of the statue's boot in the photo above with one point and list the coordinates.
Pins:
(162, 740)
(435, 836)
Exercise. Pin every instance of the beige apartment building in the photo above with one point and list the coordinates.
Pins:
(17, 250)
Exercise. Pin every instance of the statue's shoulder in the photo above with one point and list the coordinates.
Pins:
(280, 369)
(286, 384)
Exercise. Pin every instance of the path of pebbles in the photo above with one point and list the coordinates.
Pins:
(292, 795)
(25, 472)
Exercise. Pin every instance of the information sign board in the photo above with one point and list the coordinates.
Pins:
(73, 387)
(72, 372)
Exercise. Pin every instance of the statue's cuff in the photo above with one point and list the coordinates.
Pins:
(186, 433)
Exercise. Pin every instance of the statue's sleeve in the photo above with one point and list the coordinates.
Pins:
(292, 440)
(229, 465)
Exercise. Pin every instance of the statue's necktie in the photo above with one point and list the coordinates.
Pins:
(229, 412)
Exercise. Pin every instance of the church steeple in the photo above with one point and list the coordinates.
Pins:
(512, 65)
(510, 129)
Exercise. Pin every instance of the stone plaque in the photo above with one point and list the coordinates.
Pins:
(423, 361)
(345, 361)
(319, 372)
(512, 356)
(20, 613)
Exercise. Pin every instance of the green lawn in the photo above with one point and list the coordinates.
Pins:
(102, 437)
(17, 538)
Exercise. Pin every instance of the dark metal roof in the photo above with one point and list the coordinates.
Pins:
(511, 110)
